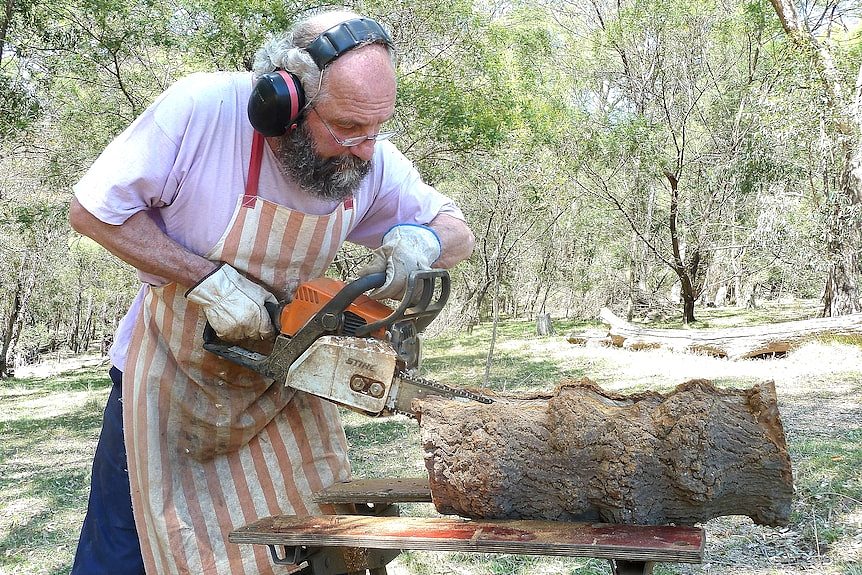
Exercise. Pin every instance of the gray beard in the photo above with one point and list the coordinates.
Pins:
(334, 178)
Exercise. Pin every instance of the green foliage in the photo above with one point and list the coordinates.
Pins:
(224, 34)
(19, 106)
(552, 124)
(489, 90)
(465, 118)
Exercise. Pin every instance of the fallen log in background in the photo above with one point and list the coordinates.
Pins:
(735, 343)
(584, 454)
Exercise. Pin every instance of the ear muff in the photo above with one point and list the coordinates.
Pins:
(275, 103)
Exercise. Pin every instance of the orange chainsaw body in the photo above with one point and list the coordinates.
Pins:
(314, 294)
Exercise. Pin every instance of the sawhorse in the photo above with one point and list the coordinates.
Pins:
(350, 544)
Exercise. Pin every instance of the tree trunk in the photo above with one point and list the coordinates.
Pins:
(544, 325)
(687, 280)
(9, 331)
(735, 343)
(5, 23)
(844, 240)
(18, 306)
(489, 360)
(584, 454)
(841, 293)
(688, 301)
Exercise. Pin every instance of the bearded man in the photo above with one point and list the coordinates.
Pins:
(226, 193)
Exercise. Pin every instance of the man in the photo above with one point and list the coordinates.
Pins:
(219, 220)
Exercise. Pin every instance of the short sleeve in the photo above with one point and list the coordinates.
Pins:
(137, 170)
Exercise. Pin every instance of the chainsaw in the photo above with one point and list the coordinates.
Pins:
(337, 343)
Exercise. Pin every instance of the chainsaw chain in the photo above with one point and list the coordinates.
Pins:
(444, 389)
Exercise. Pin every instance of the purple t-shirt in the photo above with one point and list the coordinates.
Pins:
(185, 159)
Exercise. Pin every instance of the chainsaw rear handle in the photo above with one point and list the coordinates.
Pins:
(326, 320)
(337, 304)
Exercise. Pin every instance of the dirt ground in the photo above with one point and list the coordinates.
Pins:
(819, 388)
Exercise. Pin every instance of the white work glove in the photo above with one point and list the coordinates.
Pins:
(233, 304)
(406, 248)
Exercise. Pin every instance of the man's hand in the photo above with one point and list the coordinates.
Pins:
(233, 304)
(406, 248)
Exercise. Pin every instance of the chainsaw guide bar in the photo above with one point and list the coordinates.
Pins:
(410, 387)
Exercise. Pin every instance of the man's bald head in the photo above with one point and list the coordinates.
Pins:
(287, 52)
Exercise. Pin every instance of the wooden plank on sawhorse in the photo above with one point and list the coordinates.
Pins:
(630, 548)
(377, 491)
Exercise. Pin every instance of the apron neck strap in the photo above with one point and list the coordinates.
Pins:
(254, 164)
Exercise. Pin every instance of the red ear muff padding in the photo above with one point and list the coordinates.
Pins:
(275, 103)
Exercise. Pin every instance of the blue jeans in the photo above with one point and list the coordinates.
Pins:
(109, 541)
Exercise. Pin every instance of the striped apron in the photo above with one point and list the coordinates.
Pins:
(211, 445)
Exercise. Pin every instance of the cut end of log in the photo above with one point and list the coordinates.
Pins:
(585, 454)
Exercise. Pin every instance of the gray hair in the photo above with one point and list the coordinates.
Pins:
(287, 51)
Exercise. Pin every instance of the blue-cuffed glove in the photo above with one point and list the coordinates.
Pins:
(406, 248)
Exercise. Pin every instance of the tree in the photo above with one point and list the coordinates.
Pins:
(32, 235)
(674, 138)
(811, 33)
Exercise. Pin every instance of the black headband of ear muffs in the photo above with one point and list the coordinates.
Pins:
(344, 37)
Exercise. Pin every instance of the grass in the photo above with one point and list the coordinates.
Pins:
(516, 366)
(49, 427)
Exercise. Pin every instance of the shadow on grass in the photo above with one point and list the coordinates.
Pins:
(378, 431)
(828, 467)
(44, 469)
(41, 532)
(27, 433)
(383, 447)
(506, 564)
(83, 379)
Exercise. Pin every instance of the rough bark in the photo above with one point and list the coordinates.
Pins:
(584, 454)
(735, 343)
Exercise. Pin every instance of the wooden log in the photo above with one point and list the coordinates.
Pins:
(585, 454)
(589, 336)
(735, 343)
